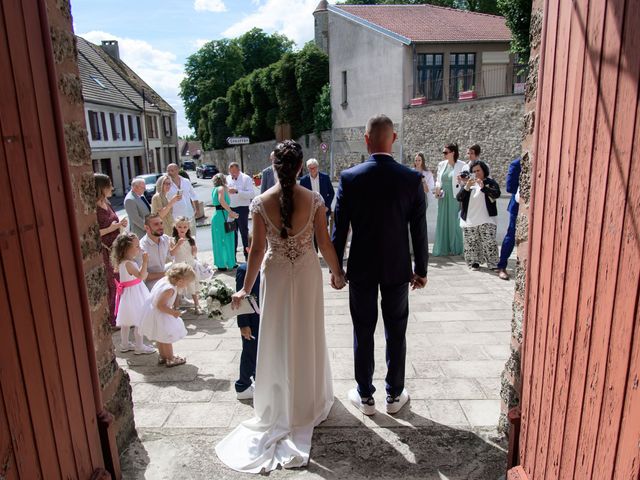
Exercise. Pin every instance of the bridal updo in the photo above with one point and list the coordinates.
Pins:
(287, 163)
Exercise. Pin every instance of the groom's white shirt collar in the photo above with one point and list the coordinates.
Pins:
(382, 153)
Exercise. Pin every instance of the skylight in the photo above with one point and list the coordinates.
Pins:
(97, 80)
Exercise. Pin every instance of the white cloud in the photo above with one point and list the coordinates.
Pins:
(293, 18)
(158, 68)
(209, 5)
(199, 42)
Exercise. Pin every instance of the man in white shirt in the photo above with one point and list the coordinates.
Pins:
(186, 206)
(241, 192)
(156, 244)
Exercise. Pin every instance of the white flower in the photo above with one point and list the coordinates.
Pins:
(216, 305)
(209, 302)
(213, 291)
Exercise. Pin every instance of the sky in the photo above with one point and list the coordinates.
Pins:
(156, 36)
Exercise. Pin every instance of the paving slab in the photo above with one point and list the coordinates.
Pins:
(456, 348)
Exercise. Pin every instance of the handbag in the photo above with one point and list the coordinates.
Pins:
(231, 226)
(248, 305)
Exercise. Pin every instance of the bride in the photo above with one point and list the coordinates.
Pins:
(293, 391)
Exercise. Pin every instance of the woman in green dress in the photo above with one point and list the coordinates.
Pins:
(224, 250)
(448, 232)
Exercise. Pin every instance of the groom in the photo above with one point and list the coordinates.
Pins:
(379, 198)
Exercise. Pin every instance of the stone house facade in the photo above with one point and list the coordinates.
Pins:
(132, 130)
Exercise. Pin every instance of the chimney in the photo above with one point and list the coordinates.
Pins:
(111, 47)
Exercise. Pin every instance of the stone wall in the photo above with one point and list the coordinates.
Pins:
(116, 391)
(511, 376)
(494, 123)
(256, 155)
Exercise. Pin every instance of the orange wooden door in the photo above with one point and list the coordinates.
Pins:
(581, 354)
(48, 424)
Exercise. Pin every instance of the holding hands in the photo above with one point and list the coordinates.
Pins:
(418, 282)
(233, 214)
(338, 281)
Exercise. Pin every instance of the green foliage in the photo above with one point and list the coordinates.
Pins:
(240, 108)
(322, 111)
(312, 73)
(209, 73)
(217, 123)
(264, 103)
(287, 95)
(517, 14)
(261, 50)
(484, 6)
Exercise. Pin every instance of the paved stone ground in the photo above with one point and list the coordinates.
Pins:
(458, 340)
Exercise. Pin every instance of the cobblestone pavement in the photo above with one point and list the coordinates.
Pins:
(457, 343)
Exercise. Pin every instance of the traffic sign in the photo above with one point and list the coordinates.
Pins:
(238, 140)
(324, 147)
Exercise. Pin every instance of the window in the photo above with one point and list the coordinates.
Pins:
(132, 133)
(138, 125)
(94, 127)
(123, 129)
(98, 81)
(114, 130)
(344, 88)
(430, 72)
(152, 126)
(168, 127)
(462, 73)
(103, 117)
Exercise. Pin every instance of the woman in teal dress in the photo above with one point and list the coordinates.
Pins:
(448, 232)
(224, 250)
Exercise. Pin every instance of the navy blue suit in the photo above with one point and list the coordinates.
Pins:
(249, 347)
(326, 188)
(513, 182)
(379, 199)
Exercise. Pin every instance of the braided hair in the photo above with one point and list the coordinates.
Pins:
(287, 163)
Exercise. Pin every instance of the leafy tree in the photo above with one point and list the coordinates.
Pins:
(312, 73)
(209, 73)
(240, 108)
(260, 49)
(484, 6)
(322, 111)
(264, 102)
(287, 95)
(517, 14)
(217, 123)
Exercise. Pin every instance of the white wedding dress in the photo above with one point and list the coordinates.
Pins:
(293, 391)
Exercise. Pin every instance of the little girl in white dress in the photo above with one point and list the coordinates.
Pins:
(183, 250)
(131, 292)
(160, 321)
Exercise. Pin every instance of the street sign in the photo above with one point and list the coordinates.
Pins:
(324, 147)
(238, 140)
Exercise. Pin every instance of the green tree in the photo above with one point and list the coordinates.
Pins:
(217, 123)
(286, 90)
(483, 6)
(240, 107)
(517, 14)
(260, 49)
(322, 111)
(208, 75)
(264, 102)
(312, 73)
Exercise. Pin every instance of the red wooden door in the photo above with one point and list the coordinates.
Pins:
(48, 424)
(581, 354)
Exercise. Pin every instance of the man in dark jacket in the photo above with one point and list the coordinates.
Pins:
(513, 183)
(382, 201)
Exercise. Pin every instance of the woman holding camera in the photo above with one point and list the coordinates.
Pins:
(478, 216)
(448, 234)
(163, 206)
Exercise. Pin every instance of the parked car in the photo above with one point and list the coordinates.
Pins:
(207, 170)
(150, 180)
(189, 165)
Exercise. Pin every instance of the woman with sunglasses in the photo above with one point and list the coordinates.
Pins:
(448, 232)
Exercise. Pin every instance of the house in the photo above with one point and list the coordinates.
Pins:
(132, 130)
(382, 56)
(190, 150)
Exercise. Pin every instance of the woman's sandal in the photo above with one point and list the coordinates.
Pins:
(175, 361)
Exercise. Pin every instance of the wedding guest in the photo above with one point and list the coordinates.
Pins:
(223, 242)
(186, 205)
(249, 325)
(318, 181)
(161, 322)
(513, 183)
(428, 183)
(132, 293)
(161, 205)
(478, 217)
(110, 226)
(241, 192)
(448, 233)
(156, 244)
(268, 176)
(183, 250)
(137, 206)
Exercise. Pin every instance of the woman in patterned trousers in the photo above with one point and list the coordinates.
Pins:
(478, 216)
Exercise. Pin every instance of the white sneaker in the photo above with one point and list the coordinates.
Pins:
(246, 394)
(127, 348)
(366, 405)
(144, 350)
(394, 404)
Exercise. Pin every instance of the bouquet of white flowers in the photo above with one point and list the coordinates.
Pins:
(216, 295)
